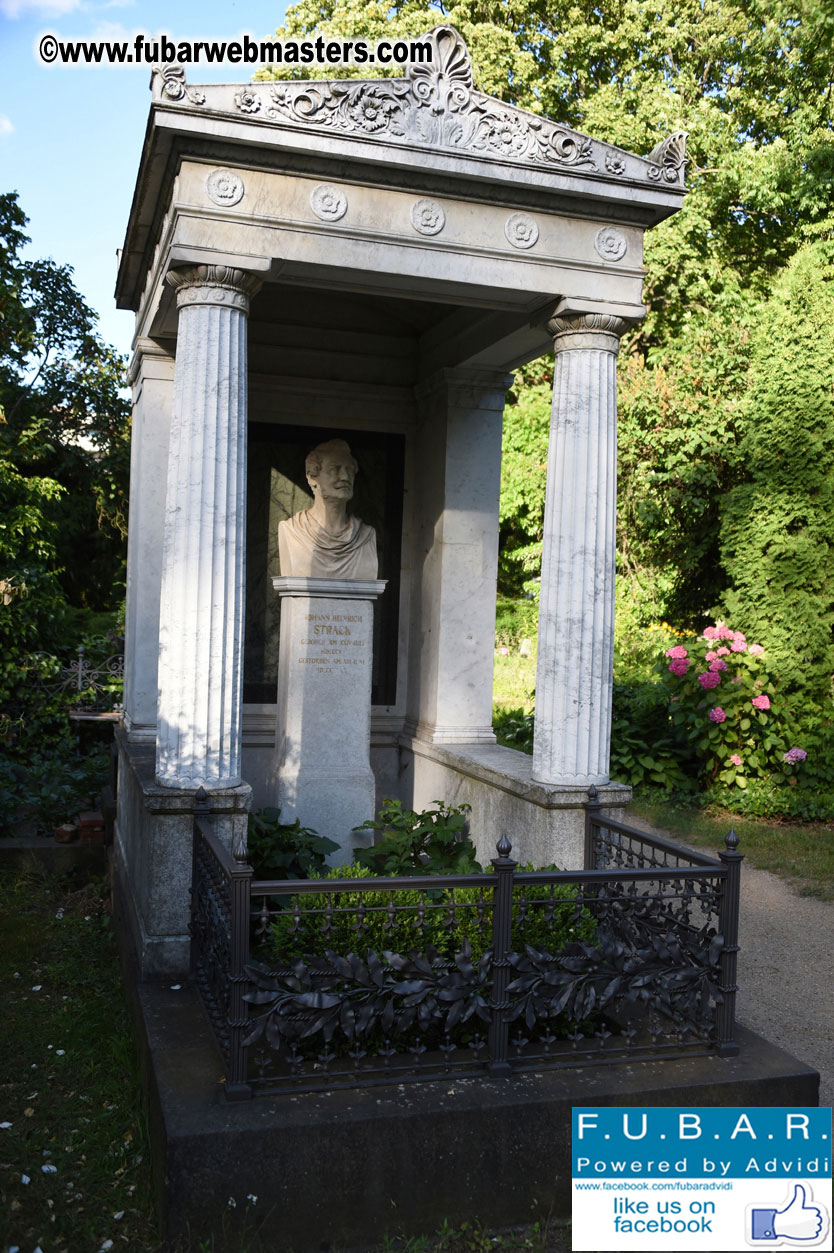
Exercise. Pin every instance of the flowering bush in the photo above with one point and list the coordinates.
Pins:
(720, 702)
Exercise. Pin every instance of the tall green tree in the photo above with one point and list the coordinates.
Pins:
(777, 527)
(64, 430)
(753, 85)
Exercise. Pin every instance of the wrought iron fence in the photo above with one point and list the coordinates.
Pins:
(90, 687)
(345, 982)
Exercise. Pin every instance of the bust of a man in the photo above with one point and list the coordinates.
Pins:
(324, 541)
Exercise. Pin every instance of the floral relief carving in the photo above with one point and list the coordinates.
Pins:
(435, 105)
(427, 217)
(247, 100)
(611, 244)
(668, 159)
(328, 203)
(521, 230)
(174, 85)
(225, 187)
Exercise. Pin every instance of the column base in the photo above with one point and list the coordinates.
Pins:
(432, 734)
(574, 780)
(152, 861)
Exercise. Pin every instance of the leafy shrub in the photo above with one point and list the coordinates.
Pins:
(514, 728)
(545, 918)
(638, 629)
(435, 841)
(523, 476)
(644, 751)
(515, 620)
(777, 530)
(279, 850)
(30, 717)
(315, 929)
(762, 799)
(722, 706)
(12, 778)
(59, 784)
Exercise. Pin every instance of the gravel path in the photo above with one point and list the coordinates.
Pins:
(785, 967)
(786, 971)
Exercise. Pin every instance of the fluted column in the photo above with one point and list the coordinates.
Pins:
(203, 557)
(576, 615)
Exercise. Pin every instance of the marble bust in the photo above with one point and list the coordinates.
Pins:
(324, 541)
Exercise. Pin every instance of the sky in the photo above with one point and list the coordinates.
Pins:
(71, 137)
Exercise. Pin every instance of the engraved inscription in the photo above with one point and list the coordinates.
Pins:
(330, 638)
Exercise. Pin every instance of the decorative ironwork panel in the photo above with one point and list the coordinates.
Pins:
(92, 688)
(358, 981)
(211, 939)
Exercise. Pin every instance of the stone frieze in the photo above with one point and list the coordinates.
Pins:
(436, 105)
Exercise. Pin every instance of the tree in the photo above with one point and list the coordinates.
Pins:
(777, 527)
(64, 426)
(752, 85)
(720, 502)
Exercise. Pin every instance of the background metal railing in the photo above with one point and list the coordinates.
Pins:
(89, 687)
(346, 982)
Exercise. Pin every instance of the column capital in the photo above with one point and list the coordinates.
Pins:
(586, 330)
(223, 285)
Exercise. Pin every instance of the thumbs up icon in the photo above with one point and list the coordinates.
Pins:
(797, 1221)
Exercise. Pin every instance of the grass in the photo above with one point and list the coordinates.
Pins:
(514, 681)
(474, 1238)
(70, 1095)
(803, 853)
(74, 1167)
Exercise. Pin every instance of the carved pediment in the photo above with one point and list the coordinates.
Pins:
(435, 105)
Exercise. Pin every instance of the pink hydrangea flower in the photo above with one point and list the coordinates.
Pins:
(677, 651)
(718, 664)
(735, 759)
(710, 634)
(795, 755)
(679, 666)
(755, 649)
(724, 632)
(761, 702)
(711, 656)
(717, 714)
(709, 680)
(722, 652)
(739, 646)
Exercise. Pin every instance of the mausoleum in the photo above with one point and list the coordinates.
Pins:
(367, 261)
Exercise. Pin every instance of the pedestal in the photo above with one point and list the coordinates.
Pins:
(321, 769)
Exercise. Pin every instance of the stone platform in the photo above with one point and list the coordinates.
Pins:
(348, 1168)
